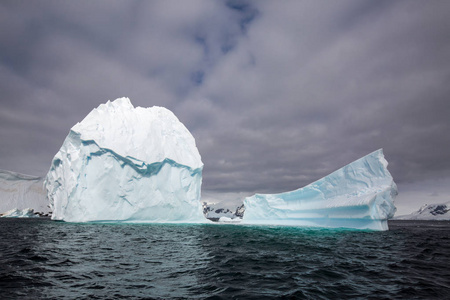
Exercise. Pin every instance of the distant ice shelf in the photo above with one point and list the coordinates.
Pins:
(359, 195)
(127, 164)
(22, 191)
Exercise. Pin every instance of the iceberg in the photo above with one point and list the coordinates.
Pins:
(128, 164)
(22, 191)
(360, 195)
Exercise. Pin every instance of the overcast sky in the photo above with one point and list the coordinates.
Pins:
(276, 93)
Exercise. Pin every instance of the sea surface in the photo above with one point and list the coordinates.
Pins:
(43, 259)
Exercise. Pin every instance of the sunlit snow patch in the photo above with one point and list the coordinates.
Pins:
(123, 163)
(229, 220)
(359, 195)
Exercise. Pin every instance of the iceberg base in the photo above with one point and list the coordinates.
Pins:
(364, 224)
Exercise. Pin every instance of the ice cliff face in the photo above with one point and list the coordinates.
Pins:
(437, 212)
(22, 191)
(359, 195)
(127, 164)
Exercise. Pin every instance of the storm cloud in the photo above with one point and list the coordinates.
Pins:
(276, 94)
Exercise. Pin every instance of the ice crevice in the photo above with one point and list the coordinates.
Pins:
(139, 166)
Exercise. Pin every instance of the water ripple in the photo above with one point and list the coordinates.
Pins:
(41, 259)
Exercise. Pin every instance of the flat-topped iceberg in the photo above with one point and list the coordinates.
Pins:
(359, 195)
(123, 163)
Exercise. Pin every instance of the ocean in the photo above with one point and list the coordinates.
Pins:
(43, 259)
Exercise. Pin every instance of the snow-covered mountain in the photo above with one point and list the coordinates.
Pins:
(214, 213)
(440, 211)
(22, 191)
(18, 213)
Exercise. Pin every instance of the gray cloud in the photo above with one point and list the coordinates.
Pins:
(277, 95)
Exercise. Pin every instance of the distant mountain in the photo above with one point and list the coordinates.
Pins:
(18, 213)
(214, 213)
(20, 191)
(429, 212)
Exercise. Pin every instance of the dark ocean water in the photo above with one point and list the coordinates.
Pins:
(42, 259)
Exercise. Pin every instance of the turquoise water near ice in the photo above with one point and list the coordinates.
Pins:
(42, 259)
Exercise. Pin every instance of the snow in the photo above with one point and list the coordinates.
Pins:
(22, 191)
(431, 212)
(20, 213)
(127, 164)
(229, 220)
(359, 195)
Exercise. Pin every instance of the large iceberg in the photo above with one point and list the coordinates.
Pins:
(123, 163)
(22, 191)
(359, 195)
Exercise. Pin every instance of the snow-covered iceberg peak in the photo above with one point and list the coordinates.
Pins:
(148, 134)
(359, 195)
(123, 163)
